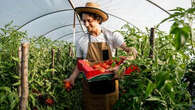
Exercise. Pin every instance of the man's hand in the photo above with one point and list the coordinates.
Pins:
(130, 50)
(71, 80)
(74, 75)
(67, 85)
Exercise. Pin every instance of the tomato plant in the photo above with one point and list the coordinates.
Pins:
(46, 91)
(159, 83)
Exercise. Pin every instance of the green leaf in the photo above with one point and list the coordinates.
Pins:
(5, 89)
(178, 9)
(150, 88)
(15, 59)
(169, 86)
(13, 104)
(171, 16)
(182, 32)
(15, 76)
(186, 31)
(191, 11)
(161, 78)
(174, 28)
(3, 98)
(33, 99)
(17, 83)
(153, 98)
(178, 40)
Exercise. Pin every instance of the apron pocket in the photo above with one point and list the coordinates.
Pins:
(102, 87)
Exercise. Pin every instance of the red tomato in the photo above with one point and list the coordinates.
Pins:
(86, 63)
(132, 68)
(101, 69)
(104, 65)
(49, 101)
(95, 66)
(109, 62)
(67, 86)
(129, 70)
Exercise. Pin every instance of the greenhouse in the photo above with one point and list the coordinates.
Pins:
(97, 55)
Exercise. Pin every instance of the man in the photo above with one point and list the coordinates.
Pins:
(94, 46)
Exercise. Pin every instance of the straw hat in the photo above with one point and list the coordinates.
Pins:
(92, 8)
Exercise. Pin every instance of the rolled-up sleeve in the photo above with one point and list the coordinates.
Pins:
(118, 39)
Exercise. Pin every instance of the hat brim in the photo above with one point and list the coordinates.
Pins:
(103, 14)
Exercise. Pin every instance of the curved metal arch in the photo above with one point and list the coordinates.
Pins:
(57, 29)
(43, 16)
(158, 7)
(68, 35)
(53, 30)
(82, 31)
(61, 26)
(122, 20)
(68, 10)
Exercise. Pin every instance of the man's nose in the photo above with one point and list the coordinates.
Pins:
(86, 24)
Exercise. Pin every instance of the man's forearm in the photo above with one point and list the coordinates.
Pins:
(75, 73)
(125, 48)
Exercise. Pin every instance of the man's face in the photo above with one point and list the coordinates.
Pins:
(90, 23)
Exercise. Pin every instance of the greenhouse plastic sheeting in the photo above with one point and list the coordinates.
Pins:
(54, 18)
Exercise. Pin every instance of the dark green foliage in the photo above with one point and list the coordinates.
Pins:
(159, 85)
(42, 84)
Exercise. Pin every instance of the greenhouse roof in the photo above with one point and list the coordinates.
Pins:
(54, 18)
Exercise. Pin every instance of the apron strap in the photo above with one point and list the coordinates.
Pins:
(89, 37)
(105, 36)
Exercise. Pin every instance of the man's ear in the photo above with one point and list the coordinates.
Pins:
(99, 21)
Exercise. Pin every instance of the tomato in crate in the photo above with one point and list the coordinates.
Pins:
(93, 69)
(104, 65)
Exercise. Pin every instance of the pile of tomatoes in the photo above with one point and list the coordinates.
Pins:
(100, 66)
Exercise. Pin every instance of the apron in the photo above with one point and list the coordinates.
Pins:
(99, 51)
